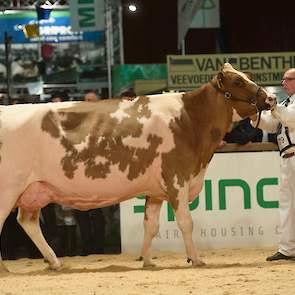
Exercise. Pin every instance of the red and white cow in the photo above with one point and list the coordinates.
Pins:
(87, 155)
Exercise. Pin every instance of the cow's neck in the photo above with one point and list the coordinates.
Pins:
(211, 115)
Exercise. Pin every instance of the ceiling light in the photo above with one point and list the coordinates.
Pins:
(132, 7)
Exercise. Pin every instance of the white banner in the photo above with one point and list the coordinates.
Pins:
(191, 71)
(186, 10)
(87, 15)
(207, 16)
(238, 207)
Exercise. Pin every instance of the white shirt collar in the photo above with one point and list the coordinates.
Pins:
(292, 98)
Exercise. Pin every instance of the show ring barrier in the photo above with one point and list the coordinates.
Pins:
(238, 205)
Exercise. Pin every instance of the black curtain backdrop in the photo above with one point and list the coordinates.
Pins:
(246, 26)
(151, 34)
(261, 26)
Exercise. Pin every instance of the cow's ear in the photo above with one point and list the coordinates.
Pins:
(249, 75)
(220, 78)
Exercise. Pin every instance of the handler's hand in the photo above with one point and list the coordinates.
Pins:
(272, 101)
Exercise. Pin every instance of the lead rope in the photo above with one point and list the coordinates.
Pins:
(258, 121)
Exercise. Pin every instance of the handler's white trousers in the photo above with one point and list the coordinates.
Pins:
(287, 207)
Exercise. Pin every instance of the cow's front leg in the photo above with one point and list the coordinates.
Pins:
(151, 228)
(7, 201)
(31, 225)
(185, 224)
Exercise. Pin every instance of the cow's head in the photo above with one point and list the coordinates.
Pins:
(246, 96)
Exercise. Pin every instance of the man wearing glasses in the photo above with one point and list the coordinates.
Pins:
(281, 120)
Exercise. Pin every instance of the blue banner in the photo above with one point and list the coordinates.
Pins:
(53, 30)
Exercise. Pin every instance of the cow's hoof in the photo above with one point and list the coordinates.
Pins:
(148, 264)
(50, 268)
(140, 258)
(198, 263)
(56, 266)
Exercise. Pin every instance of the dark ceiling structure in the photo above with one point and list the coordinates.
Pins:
(151, 33)
(264, 26)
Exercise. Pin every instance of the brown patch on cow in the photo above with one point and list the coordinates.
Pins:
(195, 133)
(69, 164)
(180, 160)
(72, 120)
(50, 125)
(132, 160)
(105, 139)
(141, 107)
(195, 138)
(215, 134)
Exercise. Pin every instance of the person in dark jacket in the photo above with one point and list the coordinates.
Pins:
(243, 133)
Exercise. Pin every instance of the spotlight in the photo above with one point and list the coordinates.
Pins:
(132, 7)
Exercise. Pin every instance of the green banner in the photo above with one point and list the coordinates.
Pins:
(123, 76)
(87, 15)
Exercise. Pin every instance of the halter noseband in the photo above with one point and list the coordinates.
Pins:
(228, 95)
(252, 100)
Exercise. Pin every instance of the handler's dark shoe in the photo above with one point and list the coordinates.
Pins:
(279, 256)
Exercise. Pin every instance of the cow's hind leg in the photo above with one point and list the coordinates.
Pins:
(185, 224)
(151, 228)
(31, 225)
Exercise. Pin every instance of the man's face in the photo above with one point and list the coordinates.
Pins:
(91, 97)
(56, 99)
(288, 82)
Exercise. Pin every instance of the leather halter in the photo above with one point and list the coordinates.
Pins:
(252, 101)
(228, 95)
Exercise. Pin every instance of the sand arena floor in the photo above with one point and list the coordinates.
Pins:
(231, 271)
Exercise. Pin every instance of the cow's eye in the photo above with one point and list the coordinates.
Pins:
(238, 82)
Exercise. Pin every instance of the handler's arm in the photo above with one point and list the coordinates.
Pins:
(267, 122)
(286, 115)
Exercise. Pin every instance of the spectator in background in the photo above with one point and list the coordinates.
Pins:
(91, 96)
(59, 96)
(92, 231)
(66, 230)
(129, 94)
(15, 101)
(112, 213)
(243, 132)
(60, 220)
(92, 222)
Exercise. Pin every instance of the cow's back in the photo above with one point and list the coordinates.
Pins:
(114, 143)
(19, 132)
(91, 148)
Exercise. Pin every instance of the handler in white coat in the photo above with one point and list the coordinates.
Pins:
(281, 120)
